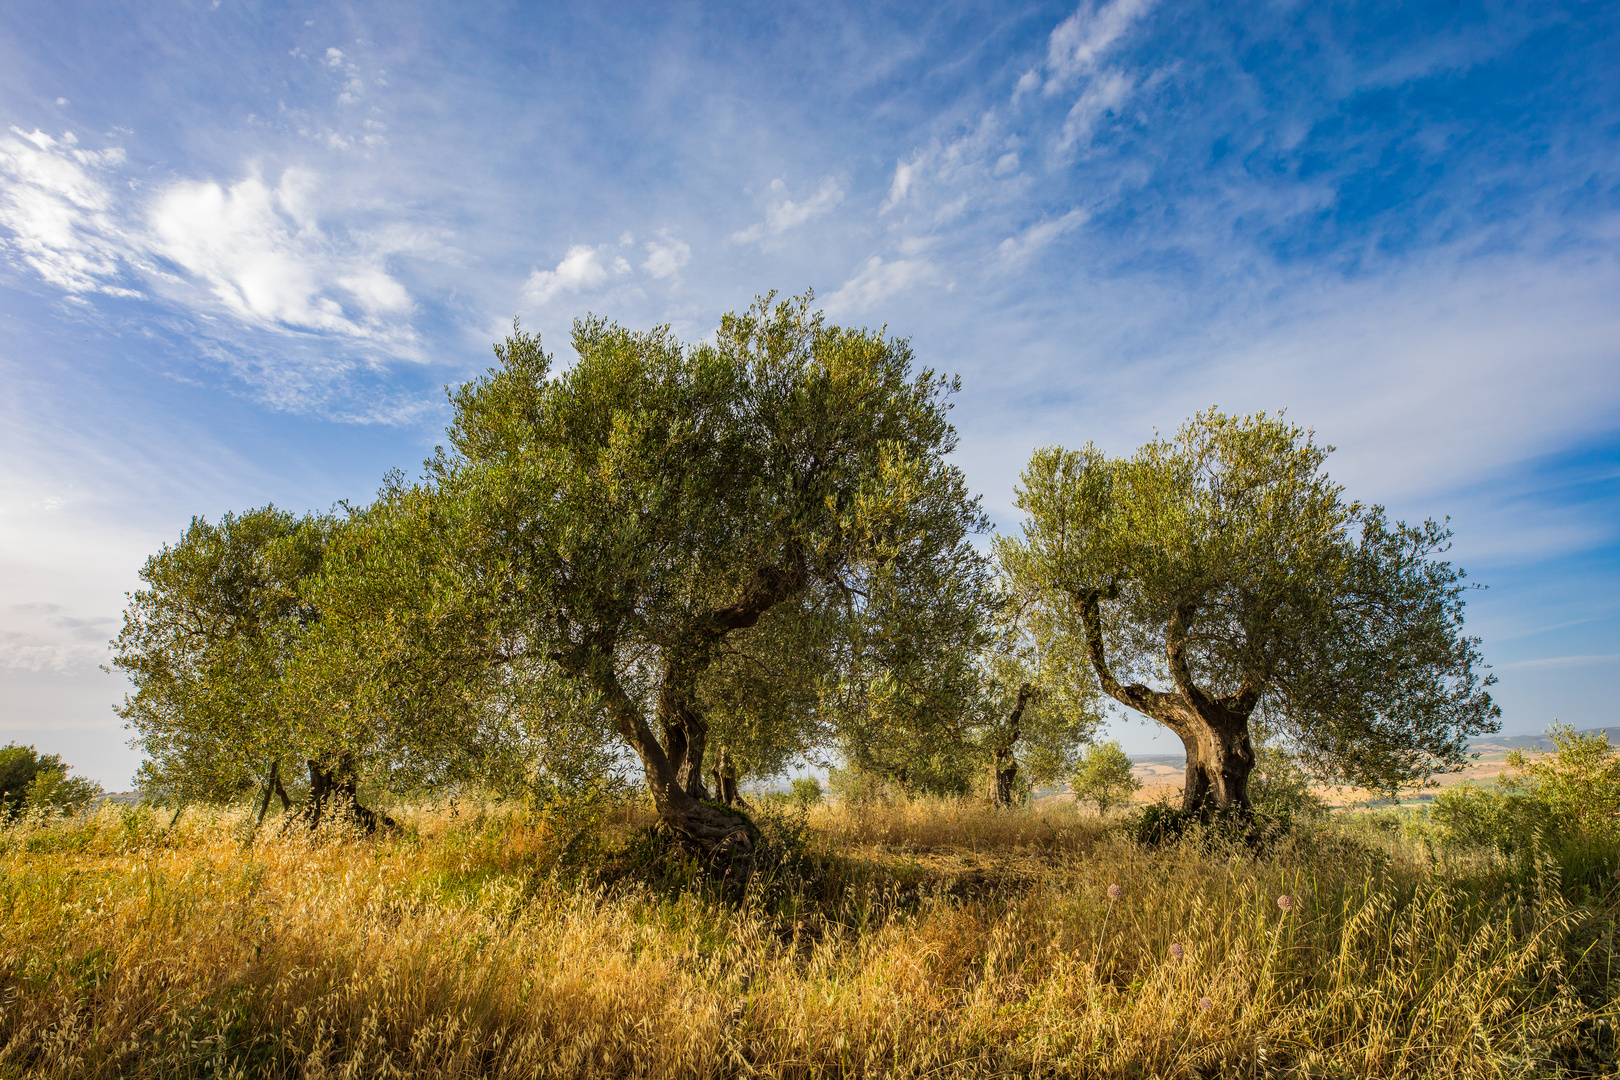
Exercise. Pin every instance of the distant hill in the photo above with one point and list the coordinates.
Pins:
(1489, 745)
(1500, 743)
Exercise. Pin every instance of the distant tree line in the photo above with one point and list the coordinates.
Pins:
(703, 563)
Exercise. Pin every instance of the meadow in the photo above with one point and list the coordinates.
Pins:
(928, 938)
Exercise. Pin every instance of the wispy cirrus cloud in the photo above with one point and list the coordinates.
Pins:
(784, 214)
(250, 251)
(1076, 49)
(876, 281)
(60, 209)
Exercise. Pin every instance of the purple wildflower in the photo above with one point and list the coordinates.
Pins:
(1115, 892)
(1204, 1004)
(1176, 951)
(1285, 902)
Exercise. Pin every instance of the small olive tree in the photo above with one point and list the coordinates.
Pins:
(1102, 775)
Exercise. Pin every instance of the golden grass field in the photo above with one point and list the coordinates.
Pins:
(930, 939)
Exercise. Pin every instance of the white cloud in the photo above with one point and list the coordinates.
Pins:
(666, 256)
(900, 187)
(876, 281)
(785, 214)
(259, 252)
(54, 641)
(1564, 661)
(1078, 44)
(58, 208)
(1103, 95)
(581, 269)
(262, 253)
(1037, 236)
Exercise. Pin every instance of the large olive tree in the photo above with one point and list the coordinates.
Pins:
(654, 506)
(1219, 576)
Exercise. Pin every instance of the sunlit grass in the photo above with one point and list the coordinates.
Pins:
(937, 939)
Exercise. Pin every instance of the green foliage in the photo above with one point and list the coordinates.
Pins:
(1280, 789)
(718, 532)
(1569, 798)
(855, 787)
(1578, 782)
(805, 792)
(1102, 775)
(1509, 822)
(206, 644)
(31, 781)
(1223, 562)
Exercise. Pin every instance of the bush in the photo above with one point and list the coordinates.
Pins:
(1279, 788)
(1506, 821)
(1567, 800)
(1578, 783)
(30, 781)
(856, 787)
(1103, 776)
(805, 792)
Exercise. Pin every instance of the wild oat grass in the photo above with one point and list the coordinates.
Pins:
(935, 940)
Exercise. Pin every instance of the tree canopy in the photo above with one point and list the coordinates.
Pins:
(661, 518)
(1223, 566)
(206, 643)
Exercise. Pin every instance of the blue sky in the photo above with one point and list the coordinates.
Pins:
(243, 247)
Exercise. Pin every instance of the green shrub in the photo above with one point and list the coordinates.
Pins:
(805, 792)
(1507, 821)
(1103, 776)
(31, 781)
(1578, 783)
(1280, 790)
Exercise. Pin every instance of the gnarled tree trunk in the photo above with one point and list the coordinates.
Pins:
(725, 779)
(1214, 731)
(334, 791)
(1003, 766)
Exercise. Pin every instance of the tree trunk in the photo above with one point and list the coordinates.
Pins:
(725, 779)
(1219, 761)
(334, 790)
(686, 733)
(1003, 773)
(1003, 766)
(1214, 731)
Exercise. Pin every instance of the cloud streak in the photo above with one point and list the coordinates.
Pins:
(258, 252)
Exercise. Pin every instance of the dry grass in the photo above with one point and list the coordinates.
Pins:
(941, 940)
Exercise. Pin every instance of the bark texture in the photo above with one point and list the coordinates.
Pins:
(1214, 730)
(1003, 766)
(725, 779)
(333, 792)
(674, 765)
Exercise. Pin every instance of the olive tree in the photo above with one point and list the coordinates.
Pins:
(205, 644)
(1036, 707)
(1220, 573)
(1103, 775)
(656, 506)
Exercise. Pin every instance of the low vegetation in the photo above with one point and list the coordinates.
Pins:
(937, 938)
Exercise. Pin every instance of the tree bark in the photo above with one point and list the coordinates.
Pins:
(673, 765)
(1214, 731)
(1003, 766)
(334, 790)
(686, 732)
(725, 779)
